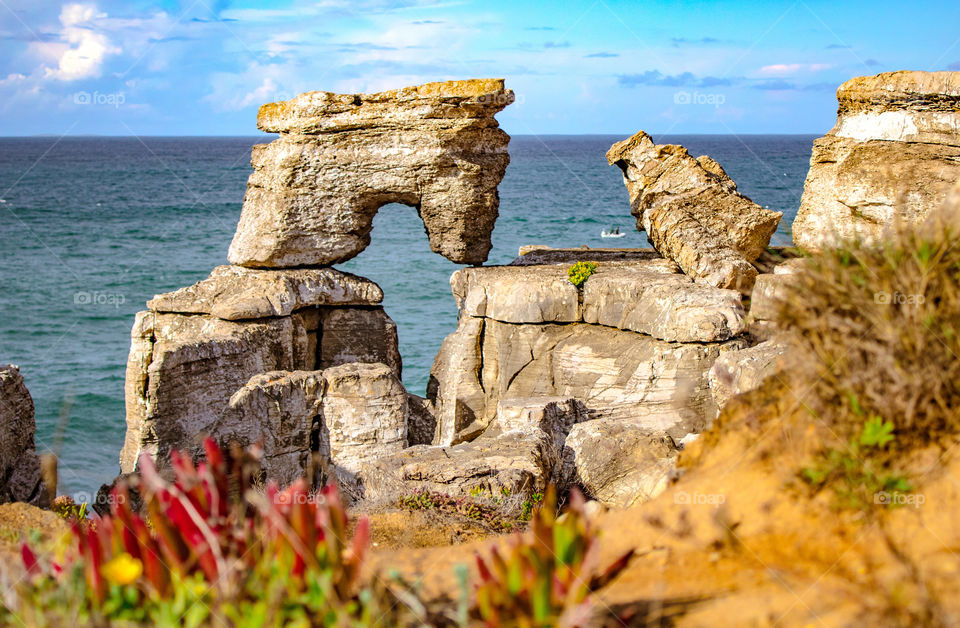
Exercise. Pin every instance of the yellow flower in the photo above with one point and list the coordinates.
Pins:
(123, 569)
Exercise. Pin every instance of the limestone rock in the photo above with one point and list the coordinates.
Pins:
(340, 157)
(421, 420)
(647, 296)
(620, 463)
(517, 462)
(692, 212)
(537, 255)
(667, 306)
(736, 372)
(237, 293)
(364, 414)
(183, 369)
(351, 334)
(20, 479)
(770, 289)
(281, 411)
(614, 373)
(892, 156)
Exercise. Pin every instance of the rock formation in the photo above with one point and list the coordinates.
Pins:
(692, 212)
(636, 341)
(892, 155)
(340, 157)
(20, 479)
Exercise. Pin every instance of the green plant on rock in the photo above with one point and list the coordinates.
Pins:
(544, 577)
(484, 510)
(857, 474)
(580, 272)
(209, 549)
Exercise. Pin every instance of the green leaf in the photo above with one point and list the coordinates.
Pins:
(876, 432)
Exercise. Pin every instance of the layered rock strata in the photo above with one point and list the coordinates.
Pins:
(340, 157)
(692, 211)
(636, 342)
(186, 362)
(892, 156)
(20, 478)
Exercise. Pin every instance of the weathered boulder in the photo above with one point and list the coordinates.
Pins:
(770, 290)
(736, 372)
(614, 373)
(647, 296)
(20, 478)
(421, 420)
(692, 212)
(183, 369)
(516, 463)
(892, 156)
(364, 415)
(351, 334)
(340, 157)
(280, 410)
(236, 293)
(618, 462)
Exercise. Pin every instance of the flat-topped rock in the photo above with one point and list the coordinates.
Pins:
(644, 295)
(340, 157)
(667, 306)
(539, 254)
(236, 293)
(892, 156)
(737, 372)
(692, 211)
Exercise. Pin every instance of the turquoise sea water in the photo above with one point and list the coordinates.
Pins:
(90, 228)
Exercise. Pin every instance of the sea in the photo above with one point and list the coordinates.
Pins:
(93, 227)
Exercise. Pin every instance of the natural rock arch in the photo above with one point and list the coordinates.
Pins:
(339, 158)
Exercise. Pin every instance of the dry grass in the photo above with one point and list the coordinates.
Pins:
(878, 328)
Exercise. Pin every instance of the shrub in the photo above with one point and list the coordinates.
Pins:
(580, 272)
(480, 508)
(545, 577)
(211, 550)
(878, 326)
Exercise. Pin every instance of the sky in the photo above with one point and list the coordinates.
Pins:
(202, 67)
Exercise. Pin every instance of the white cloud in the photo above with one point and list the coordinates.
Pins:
(783, 69)
(85, 49)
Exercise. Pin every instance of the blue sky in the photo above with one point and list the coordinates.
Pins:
(202, 67)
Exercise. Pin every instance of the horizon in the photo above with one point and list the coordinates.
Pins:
(172, 68)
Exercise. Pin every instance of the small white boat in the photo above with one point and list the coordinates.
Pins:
(612, 234)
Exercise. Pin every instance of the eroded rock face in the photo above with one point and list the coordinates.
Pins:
(692, 212)
(737, 372)
(183, 369)
(236, 293)
(614, 373)
(892, 155)
(340, 157)
(20, 479)
(620, 463)
(281, 411)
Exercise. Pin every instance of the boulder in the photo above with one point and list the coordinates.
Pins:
(770, 289)
(891, 157)
(20, 478)
(340, 157)
(183, 369)
(421, 420)
(364, 415)
(237, 293)
(280, 410)
(692, 212)
(614, 373)
(620, 463)
(646, 295)
(737, 372)
(517, 463)
(350, 334)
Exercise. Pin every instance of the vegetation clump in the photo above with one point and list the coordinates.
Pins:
(879, 330)
(494, 512)
(210, 550)
(580, 272)
(546, 576)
